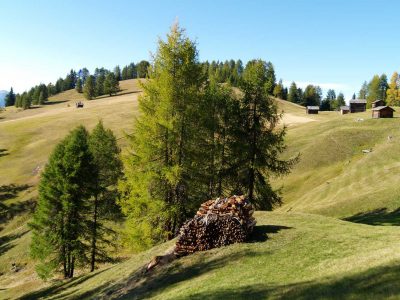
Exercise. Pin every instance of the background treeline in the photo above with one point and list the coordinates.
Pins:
(312, 96)
(379, 88)
(102, 82)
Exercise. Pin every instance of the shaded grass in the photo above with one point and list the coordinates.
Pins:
(380, 216)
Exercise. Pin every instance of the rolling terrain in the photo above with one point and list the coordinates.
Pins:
(313, 246)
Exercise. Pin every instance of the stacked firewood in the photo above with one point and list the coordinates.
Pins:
(217, 223)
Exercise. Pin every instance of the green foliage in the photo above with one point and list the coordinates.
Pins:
(159, 176)
(117, 73)
(59, 223)
(79, 86)
(105, 151)
(312, 95)
(142, 69)
(393, 93)
(77, 192)
(89, 89)
(100, 80)
(279, 90)
(295, 95)
(363, 93)
(262, 141)
(10, 98)
(111, 84)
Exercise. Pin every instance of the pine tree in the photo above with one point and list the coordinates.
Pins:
(100, 79)
(117, 73)
(263, 141)
(142, 69)
(41, 98)
(271, 79)
(10, 98)
(340, 100)
(111, 84)
(59, 223)
(293, 95)
(79, 87)
(157, 189)
(89, 89)
(105, 152)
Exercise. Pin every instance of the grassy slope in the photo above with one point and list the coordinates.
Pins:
(28, 137)
(316, 254)
(334, 177)
(305, 257)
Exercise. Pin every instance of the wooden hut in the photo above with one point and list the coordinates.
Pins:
(358, 105)
(382, 112)
(378, 103)
(344, 110)
(312, 110)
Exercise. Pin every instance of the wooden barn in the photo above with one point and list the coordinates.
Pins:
(312, 110)
(344, 110)
(378, 103)
(382, 112)
(358, 105)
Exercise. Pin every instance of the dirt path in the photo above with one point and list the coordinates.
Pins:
(290, 119)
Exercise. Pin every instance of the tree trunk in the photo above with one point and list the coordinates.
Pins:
(94, 235)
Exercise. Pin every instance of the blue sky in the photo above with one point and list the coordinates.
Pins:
(335, 44)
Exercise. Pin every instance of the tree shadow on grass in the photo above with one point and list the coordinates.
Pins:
(6, 241)
(260, 233)
(9, 211)
(380, 216)
(375, 283)
(60, 287)
(3, 152)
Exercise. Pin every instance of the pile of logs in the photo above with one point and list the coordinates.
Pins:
(217, 223)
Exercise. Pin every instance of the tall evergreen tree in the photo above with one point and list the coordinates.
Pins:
(89, 89)
(105, 151)
(100, 79)
(79, 86)
(59, 223)
(293, 95)
(271, 79)
(142, 69)
(157, 189)
(117, 73)
(111, 84)
(10, 98)
(264, 142)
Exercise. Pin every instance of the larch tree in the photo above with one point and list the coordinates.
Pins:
(59, 223)
(263, 141)
(108, 166)
(79, 86)
(393, 92)
(89, 89)
(159, 175)
(111, 84)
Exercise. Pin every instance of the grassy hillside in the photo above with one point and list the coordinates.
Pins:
(290, 256)
(334, 176)
(305, 256)
(26, 140)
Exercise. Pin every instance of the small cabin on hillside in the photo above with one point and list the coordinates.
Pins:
(344, 110)
(358, 105)
(312, 110)
(382, 112)
(378, 103)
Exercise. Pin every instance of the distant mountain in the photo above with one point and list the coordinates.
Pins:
(2, 96)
